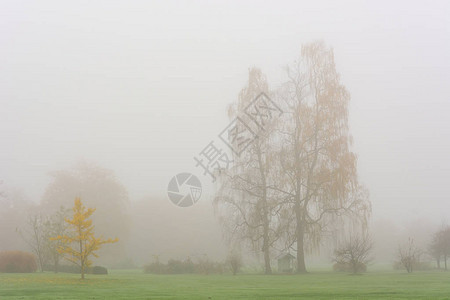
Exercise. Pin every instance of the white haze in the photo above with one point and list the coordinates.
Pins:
(141, 87)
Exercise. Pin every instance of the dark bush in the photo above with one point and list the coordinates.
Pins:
(64, 268)
(99, 270)
(417, 266)
(76, 269)
(206, 266)
(17, 262)
(234, 261)
(156, 268)
(174, 266)
(346, 267)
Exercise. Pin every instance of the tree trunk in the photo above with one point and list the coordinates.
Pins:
(56, 265)
(300, 233)
(81, 257)
(301, 266)
(445, 262)
(267, 267)
(266, 241)
(438, 262)
(83, 266)
(41, 262)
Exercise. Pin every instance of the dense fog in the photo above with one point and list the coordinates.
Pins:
(108, 101)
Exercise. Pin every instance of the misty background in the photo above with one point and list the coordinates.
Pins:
(141, 88)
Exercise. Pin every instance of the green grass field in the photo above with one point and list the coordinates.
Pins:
(133, 284)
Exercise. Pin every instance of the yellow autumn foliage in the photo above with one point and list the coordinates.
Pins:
(80, 244)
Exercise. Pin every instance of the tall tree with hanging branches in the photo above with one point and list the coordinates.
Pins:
(318, 168)
(247, 204)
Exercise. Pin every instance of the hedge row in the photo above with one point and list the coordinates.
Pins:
(17, 262)
(97, 270)
(174, 266)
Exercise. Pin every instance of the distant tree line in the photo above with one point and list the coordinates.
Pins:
(440, 246)
(411, 257)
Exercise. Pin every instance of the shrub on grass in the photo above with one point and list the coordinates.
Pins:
(174, 266)
(17, 262)
(98, 270)
(234, 261)
(74, 269)
(416, 266)
(206, 266)
(156, 268)
(347, 267)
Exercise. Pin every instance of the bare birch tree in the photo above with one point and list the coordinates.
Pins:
(320, 181)
(34, 235)
(247, 203)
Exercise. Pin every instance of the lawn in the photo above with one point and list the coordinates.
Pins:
(133, 284)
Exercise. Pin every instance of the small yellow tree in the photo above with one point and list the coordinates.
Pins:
(80, 243)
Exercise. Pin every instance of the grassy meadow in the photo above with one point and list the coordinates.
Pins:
(133, 284)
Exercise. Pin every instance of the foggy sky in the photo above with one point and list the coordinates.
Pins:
(142, 87)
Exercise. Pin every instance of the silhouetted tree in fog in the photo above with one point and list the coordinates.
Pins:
(354, 252)
(247, 203)
(55, 225)
(409, 255)
(299, 177)
(319, 169)
(440, 246)
(234, 260)
(34, 234)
